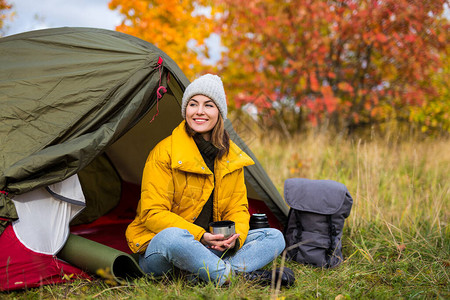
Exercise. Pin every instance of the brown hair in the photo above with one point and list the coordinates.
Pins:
(219, 136)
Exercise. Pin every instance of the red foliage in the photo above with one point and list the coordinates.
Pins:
(361, 59)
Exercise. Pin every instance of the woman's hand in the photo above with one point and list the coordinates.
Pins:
(217, 241)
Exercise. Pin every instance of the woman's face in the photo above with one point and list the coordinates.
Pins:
(202, 115)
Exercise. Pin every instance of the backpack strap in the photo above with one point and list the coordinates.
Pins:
(293, 223)
(332, 234)
(286, 223)
(299, 225)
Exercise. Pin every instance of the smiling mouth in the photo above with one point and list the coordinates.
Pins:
(200, 120)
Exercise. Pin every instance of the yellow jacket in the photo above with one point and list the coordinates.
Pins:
(176, 184)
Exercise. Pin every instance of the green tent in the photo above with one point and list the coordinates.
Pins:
(92, 102)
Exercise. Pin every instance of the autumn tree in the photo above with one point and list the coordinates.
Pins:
(433, 116)
(349, 62)
(179, 28)
(4, 14)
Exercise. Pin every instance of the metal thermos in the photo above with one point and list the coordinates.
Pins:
(259, 221)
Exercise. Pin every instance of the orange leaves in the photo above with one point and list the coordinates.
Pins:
(345, 86)
(361, 58)
(241, 99)
(331, 103)
(381, 38)
(443, 38)
(314, 83)
(323, 104)
(179, 28)
(4, 6)
(261, 100)
(410, 38)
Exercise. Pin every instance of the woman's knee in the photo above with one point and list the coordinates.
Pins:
(270, 235)
(274, 239)
(277, 236)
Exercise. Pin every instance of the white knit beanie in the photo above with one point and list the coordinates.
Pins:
(208, 85)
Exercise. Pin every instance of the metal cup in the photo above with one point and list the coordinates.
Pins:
(222, 227)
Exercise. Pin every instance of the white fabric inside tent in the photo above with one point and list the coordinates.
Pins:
(45, 214)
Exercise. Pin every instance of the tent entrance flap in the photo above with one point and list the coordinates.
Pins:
(48, 216)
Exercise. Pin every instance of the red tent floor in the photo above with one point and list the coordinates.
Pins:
(22, 268)
(110, 229)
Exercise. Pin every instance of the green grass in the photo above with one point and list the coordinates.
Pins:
(396, 240)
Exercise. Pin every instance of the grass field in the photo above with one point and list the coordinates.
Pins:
(396, 240)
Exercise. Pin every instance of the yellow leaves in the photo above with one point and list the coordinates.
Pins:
(299, 165)
(170, 25)
(68, 277)
(301, 49)
(107, 276)
(4, 6)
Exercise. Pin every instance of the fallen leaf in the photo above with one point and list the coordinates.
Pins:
(401, 247)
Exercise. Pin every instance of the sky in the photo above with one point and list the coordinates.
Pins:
(41, 14)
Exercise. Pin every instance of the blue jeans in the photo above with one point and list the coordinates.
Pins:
(175, 247)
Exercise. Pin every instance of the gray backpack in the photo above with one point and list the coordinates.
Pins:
(316, 218)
